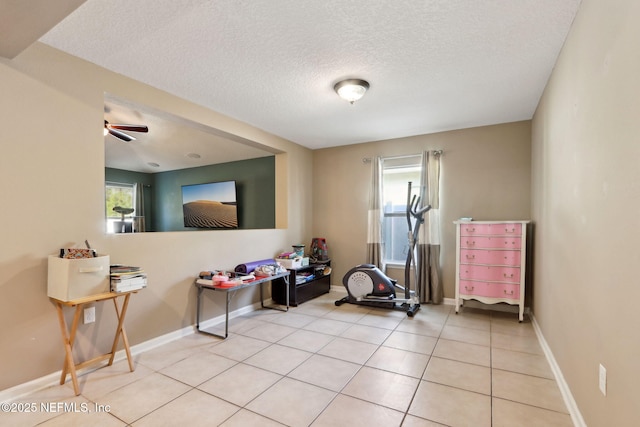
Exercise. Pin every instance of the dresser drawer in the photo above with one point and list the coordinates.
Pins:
(482, 242)
(480, 256)
(502, 229)
(490, 273)
(490, 290)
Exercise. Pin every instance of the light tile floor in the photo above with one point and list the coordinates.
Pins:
(322, 365)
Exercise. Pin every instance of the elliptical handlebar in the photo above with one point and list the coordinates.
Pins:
(418, 214)
(412, 207)
(421, 211)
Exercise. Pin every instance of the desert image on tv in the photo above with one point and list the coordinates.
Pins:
(210, 214)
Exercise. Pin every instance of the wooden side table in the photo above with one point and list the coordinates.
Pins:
(69, 335)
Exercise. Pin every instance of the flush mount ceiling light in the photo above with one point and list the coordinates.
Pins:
(351, 89)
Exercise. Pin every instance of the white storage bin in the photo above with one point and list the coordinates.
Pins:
(70, 279)
(290, 263)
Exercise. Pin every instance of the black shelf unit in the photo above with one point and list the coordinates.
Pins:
(301, 292)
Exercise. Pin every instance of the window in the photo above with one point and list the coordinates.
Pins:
(396, 174)
(122, 195)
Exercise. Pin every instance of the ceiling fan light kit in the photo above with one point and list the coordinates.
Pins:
(351, 89)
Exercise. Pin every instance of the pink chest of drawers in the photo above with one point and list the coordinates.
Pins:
(491, 262)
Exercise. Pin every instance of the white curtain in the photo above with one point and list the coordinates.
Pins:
(375, 246)
(139, 225)
(428, 248)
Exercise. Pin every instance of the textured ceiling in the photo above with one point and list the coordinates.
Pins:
(433, 65)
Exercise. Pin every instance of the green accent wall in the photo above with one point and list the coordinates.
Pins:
(255, 186)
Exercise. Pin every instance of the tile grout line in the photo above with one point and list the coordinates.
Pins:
(352, 323)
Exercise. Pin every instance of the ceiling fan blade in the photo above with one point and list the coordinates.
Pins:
(132, 128)
(121, 135)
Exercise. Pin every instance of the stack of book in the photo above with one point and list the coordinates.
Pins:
(126, 278)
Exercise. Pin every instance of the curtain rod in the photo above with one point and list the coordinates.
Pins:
(127, 184)
(434, 152)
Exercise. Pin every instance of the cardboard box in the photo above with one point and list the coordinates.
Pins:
(70, 279)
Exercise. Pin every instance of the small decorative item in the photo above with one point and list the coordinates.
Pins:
(298, 249)
(72, 253)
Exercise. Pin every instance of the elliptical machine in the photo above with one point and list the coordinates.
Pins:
(367, 285)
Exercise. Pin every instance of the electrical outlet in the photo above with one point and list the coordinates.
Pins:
(89, 315)
(602, 379)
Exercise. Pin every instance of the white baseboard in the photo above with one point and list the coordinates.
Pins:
(25, 389)
(239, 312)
(574, 411)
(22, 390)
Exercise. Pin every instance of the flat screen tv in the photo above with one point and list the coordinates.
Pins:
(211, 205)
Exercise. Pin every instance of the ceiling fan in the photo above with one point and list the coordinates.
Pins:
(116, 130)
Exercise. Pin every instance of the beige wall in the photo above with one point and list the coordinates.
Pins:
(51, 181)
(586, 203)
(485, 174)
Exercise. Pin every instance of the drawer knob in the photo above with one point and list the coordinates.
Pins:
(506, 230)
(471, 243)
(508, 293)
(471, 257)
(467, 288)
(508, 276)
